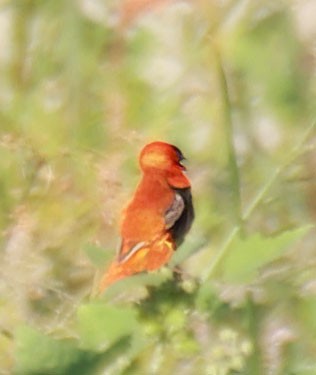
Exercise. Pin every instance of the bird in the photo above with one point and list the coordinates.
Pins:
(157, 218)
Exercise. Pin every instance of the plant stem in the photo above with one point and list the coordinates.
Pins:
(228, 124)
(254, 363)
(293, 154)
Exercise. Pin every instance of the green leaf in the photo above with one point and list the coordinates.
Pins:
(101, 325)
(37, 353)
(145, 279)
(307, 312)
(247, 255)
(97, 255)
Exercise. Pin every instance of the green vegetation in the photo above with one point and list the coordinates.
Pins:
(84, 85)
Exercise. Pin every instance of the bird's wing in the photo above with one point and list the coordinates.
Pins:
(128, 250)
(174, 212)
(171, 217)
(184, 218)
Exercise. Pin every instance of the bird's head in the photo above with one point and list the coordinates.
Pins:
(161, 156)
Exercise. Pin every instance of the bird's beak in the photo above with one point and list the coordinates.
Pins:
(181, 165)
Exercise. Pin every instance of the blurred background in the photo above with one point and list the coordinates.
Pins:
(84, 84)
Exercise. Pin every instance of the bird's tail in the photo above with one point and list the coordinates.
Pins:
(115, 273)
(147, 258)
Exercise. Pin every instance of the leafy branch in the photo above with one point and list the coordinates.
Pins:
(260, 196)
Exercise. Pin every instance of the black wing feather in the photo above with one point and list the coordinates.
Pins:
(183, 224)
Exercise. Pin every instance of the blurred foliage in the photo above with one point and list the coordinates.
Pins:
(84, 85)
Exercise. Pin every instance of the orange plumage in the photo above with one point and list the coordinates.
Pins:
(158, 216)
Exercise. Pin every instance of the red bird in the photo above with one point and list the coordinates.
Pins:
(157, 218)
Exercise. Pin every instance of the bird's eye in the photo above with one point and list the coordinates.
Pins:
(183, 167)
(179, 153)
(180, 158)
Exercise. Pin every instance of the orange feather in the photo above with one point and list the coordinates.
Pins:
(156, 216)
